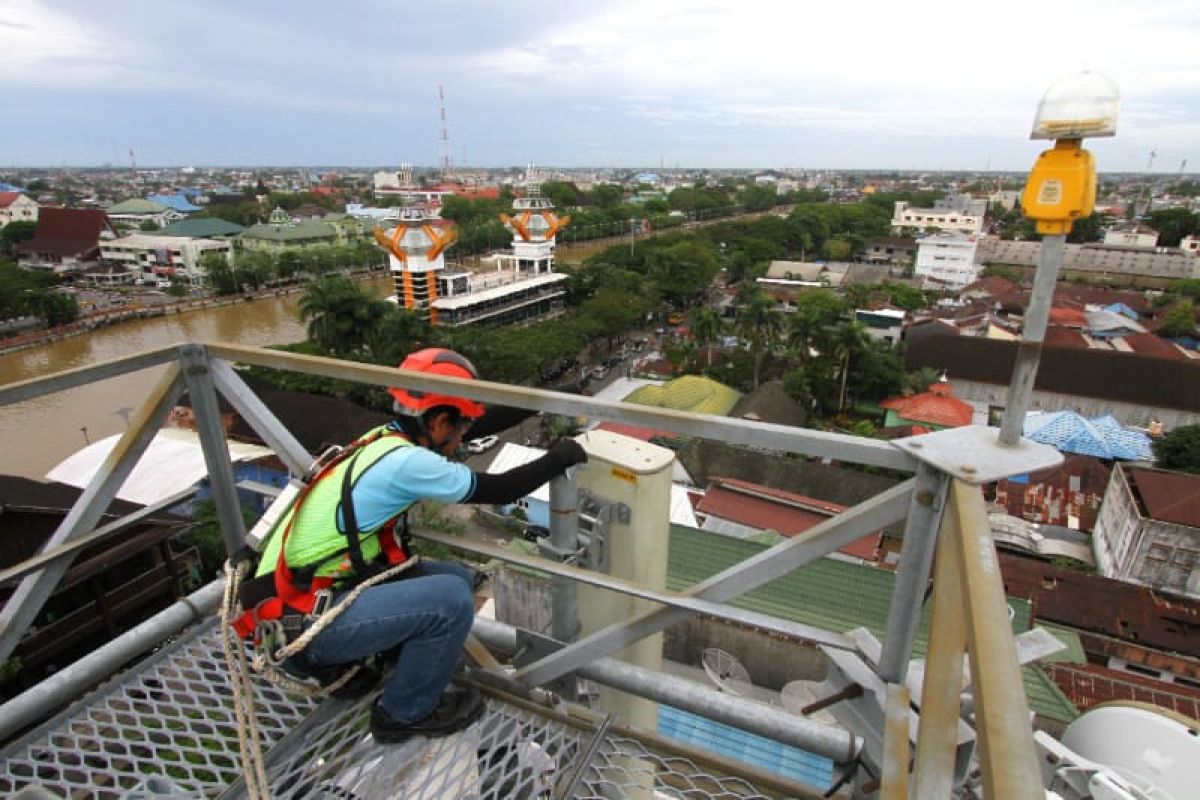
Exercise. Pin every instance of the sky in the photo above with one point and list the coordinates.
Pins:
(640, 83)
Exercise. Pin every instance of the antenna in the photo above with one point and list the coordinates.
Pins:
(445, 133)
(726, 672)
(1150, 162)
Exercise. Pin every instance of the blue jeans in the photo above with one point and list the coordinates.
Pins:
(428, 614)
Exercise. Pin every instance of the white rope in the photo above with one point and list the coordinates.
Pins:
(249, 739)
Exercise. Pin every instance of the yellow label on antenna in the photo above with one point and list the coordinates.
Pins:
(624, 474)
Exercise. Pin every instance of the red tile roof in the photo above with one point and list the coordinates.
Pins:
(1169, 496)
(1058, 336)
(938, 406)
(762, 507)
(8, 198)
(992, 285)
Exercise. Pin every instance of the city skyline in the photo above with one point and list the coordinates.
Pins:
(694, 85)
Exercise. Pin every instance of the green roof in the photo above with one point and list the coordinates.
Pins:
(689, 393)
(137, 205)
(290, 233)
(834, 595)
(203, 228)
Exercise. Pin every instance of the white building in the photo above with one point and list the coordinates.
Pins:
(1190, 244)
(1148, 529)
(1133, 234)
(16, 207)
(947, 260)
(158, 258)
(940, 219)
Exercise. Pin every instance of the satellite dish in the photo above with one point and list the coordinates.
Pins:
(795, 695)
(726, 672)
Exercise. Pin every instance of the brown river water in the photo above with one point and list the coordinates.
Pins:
(38, 434)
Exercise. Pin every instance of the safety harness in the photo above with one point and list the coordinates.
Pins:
(284, 602)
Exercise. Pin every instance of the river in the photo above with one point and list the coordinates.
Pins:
(40, 433)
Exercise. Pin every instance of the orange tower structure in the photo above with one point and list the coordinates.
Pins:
(534, 226)
(416, 249)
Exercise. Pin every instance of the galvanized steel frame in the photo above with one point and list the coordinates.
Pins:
(1003, 732)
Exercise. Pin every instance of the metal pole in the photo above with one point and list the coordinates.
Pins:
(1029, 351)
(212, 441)
(782, 726)
(27, 600)
(916, 558)
(564, 538)
(70, 683)
(264, 423)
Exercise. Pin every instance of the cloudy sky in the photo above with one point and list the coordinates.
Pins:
(696, 83)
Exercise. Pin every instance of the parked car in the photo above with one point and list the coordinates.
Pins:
(482, 444)
(534, 532)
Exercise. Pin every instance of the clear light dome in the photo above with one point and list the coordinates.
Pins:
(1078, 106)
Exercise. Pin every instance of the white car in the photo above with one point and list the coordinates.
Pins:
(482, 443)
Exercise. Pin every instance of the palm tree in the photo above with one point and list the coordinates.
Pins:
(759, 322)
(341, 316)
(707, 326)
(849, 339)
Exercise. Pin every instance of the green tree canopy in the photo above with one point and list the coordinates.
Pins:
(14, 233)
(342, 316)
(1180, 320)
(1179, 449)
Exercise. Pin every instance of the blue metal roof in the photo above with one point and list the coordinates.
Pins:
(1101, 437)
(175, 201)
(797, 764)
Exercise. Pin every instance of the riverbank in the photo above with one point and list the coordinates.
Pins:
(86, 323)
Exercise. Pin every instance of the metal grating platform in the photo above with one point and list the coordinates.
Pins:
(166, 729)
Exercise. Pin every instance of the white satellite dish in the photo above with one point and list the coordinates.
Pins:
(795, 695)
(726, 672)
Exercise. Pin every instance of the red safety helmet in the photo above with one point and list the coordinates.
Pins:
(437, 361)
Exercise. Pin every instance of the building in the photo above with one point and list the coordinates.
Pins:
(1190, 244)
(1133, 234)
(137, 212)
(203, 228)
(179, 202)
(1136, 390)
(524, 287)
(964, 203)
(416, 254)
(1161, 263)
(934, 409)
(158, 258)
(922, 219)
(947, 260)
(1148, 530)
(66, 240)
(281, 232)
(16, 207)
(891, 250)
(882, 323)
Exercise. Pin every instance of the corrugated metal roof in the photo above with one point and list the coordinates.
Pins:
(836, 596)
(1169, 496)
(1102, 437)
(727, 741)
(175, 201)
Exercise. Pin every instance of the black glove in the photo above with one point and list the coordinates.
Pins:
(568, 453)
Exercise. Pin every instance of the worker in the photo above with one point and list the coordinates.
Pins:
(350, 523)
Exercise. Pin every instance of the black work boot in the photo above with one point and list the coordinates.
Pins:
(455, 710)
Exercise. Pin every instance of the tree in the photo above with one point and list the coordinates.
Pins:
(14, 233)
(1173, 224)
(1088, 229)
(758, 198)
(607, 195)
(1180, 321)
(399, 332)
(849, 340)
(706, 328)
(221, 276)
(55, 309)
(342, 317)
(808, 328)
(759, 323)
(1179, 449)
(148, 226)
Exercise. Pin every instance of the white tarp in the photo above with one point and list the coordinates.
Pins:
(173, 462)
